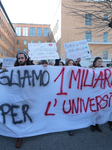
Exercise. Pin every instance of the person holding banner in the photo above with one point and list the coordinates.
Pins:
(97, 63)
(22, 60)
(70, 62)
(110, 122)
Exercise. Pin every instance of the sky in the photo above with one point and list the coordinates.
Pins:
(30, 11)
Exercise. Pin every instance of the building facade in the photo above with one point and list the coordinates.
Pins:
(7, 35)
(15, 37)
(78, 23)
(30, 33)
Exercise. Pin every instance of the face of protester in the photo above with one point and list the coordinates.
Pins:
(22, 60)
(44, 63)
(60, 64)
(70, 63)
(98, 63)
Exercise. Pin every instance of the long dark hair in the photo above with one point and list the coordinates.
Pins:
(95, 60)
(62, 63)
(69, 61)
(28, 62)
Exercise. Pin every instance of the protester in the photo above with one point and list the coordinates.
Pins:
(39, 62)
(110, 65)
(1, 65)
(66, 60)
(110, 122)
(61, 63)
(51, 63)
(78, 62)
(43, 62)
(32, 62)
(22, 60)
(70, 62)
(57, 62)
(75, 63)
(97, 63)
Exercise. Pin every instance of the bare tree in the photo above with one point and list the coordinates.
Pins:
(99, 11)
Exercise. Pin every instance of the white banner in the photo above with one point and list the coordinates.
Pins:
(77, 49)
(36, 100)
(41, 51)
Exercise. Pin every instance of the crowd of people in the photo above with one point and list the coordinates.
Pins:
(24, 60)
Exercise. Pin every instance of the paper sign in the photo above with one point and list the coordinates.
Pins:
(41, 51)
(8, 62)
(77, 49)
(1, 60)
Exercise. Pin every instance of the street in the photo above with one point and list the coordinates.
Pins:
(83, 139)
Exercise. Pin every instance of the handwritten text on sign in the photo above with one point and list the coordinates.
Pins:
(8, 62)
(52, 99)
(40, 51)
(77, 49)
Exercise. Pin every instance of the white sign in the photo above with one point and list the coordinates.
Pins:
(8, 62)
(1, 60)
(41, 51)
(77, 49)
(37, 100)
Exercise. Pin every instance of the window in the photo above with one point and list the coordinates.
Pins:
(18, 41)
(105, 37)
(25, 42)
(88, 36)
(46, 32)
(39, 32)
(105, 54)
(25, 50)
(88, 19)
(18, 31)
(31, 41)
(91, 53)
(25, 31)
(17, 49)
(105, 17)
(32, 31)
(39, 41)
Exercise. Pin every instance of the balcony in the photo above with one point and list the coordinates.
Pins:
(100, 41)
